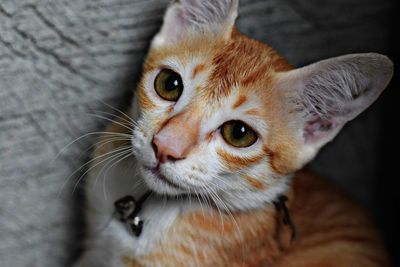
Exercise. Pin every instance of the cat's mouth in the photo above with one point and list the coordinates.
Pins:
(156, 173)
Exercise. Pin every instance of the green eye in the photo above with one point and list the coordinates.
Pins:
(238, 134)
(168, 85)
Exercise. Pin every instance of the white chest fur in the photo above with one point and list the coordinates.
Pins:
(110, 239)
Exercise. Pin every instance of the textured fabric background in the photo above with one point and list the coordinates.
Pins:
(59, 59)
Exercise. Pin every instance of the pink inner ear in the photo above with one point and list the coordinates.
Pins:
(317, 129)
(175, 25)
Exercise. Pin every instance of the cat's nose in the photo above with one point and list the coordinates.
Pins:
(166, 149)
(176, 138)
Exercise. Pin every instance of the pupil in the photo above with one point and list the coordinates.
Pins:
(171, 83)
(239, 131)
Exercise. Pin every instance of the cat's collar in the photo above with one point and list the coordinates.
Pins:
(280, 205)
(128, 209)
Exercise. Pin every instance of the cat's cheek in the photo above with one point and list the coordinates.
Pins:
(137, 141)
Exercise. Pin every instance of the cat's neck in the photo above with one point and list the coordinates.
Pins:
(188, 226)
(168, 220)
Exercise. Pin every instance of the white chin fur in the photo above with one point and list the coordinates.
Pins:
(158, 186)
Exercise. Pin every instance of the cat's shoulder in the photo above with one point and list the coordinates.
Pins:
(330, 223)
(319, 197)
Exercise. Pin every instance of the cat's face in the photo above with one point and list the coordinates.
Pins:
(208, 117)
(224, 116)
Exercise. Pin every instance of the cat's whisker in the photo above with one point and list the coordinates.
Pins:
(222, 204)
(84, 165)
(106, 141)
(208, 196)
(237, 186)
(190, 199)
(204, 199)
(200, 202)
(119, 111)
(241, 239)
(98, 157)
(110, 158)
(124, 120)
(112, 121)
(216, 200)
(87, 135)
(120, 150)
(137, 183)
(101, 162)
(108, 169)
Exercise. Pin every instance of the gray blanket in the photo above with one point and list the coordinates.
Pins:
(61, 59)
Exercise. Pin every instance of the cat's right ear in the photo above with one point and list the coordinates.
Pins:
(190, 17)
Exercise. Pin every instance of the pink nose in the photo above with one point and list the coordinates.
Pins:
(166, 149)
(176, 139)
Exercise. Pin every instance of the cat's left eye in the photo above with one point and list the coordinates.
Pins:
(168, 85)
(238, 134)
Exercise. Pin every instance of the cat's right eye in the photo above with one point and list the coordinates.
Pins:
(168, 85)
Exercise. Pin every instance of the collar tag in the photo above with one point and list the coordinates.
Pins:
(127, 209)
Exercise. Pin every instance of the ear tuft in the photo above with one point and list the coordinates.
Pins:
(195, 16)
(204, 13)
(343, 87)
(327, 94)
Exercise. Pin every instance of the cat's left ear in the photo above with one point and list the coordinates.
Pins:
(185, 17)
(322, 97)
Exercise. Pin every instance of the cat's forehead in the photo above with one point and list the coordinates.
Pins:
(238, 64)
(244, 64)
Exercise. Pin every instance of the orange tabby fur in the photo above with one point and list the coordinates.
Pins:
(227, 61)
(331, 229)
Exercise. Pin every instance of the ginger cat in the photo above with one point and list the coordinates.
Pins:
(219, 130)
